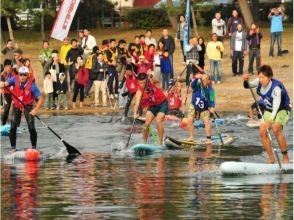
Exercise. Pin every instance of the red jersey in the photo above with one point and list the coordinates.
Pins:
(24, 94)
(131, 83)
(174, 100)
(151, 96)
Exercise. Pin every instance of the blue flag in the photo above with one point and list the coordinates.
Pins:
(187, 26)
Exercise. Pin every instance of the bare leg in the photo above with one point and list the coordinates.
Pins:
(266, 143)
(148, 121)
(160, 128)
(278, 132)
(190, 128)
(207, 125)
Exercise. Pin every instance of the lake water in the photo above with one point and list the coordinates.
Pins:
(117, 185)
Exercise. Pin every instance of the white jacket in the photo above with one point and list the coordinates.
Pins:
(48, 85)
(90, 43)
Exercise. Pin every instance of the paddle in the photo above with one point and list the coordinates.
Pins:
(218, 130)
(267, 130)
(70, 149)
(134, 120)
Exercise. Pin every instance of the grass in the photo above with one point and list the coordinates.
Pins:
(230, 94)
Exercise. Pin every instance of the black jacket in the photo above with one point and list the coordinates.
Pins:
(98, 71)
(73, 54)
(61, 87)
(169, 44)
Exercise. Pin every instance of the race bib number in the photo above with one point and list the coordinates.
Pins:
(199, 103)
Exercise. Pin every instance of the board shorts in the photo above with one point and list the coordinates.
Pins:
(282, 116)
(176, 112)
(204, 115)
(155, 109)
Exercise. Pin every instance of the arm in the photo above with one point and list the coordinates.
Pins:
(173, 46)
(38, 97)
(212, 100)
(138, 100)
(249, 84)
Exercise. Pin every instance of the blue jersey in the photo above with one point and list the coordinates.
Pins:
(202, 98)
(268, 99)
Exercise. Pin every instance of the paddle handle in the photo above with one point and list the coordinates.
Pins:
(218, 130)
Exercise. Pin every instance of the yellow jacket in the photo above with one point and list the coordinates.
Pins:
(212, 52)
(63, 52)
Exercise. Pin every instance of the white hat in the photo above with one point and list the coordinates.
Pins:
(23, 69)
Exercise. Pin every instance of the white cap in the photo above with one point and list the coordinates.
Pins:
(23, 69)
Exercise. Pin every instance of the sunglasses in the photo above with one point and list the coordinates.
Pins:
(23, 74)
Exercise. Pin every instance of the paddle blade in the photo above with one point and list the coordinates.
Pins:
(183, 123)
(70, 149)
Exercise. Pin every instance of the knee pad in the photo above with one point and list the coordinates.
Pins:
(145, 128)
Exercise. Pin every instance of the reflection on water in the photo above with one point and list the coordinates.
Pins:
(105, 185)
(161, 187)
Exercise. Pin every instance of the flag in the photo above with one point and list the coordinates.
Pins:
(64, 19)
(187, 26)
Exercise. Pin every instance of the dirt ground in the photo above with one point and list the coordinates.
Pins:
(230, 94)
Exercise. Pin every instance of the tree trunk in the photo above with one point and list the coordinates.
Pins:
(246, 12)
(172, 18)
(10, 29)
(42, 25)
(255, 10)
(194, 22)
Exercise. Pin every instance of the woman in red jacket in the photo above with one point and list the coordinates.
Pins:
(81, 79)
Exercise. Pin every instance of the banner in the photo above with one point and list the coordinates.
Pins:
(187, 26)
(64, 19)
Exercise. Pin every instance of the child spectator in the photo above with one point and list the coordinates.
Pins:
(81, 79)
(166, 69)
(61, 90)
(48, 90)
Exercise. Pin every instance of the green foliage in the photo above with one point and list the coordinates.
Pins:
(148, 18)
(48, 19)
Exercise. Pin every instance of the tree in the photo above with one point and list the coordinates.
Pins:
(246, 12)
(8, 10)
(172, 18)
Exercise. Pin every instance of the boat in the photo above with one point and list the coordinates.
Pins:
(248, 168)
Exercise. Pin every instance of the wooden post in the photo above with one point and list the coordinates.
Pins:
(10, 29)
(194, 22)
(246, 12)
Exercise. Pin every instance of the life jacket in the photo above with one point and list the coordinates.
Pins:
(151, 96)
(200, 98)
(174, 100)
(131, 83)
(89, 62)
(23, 94)
(268, 99)
(6, 77)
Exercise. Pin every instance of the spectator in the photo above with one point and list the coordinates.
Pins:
(149, 55)
(81, 37)
(201, 52)
(138, 45)
(276, 17)
(61, 91)
(62, 54)
(169, 44)
(8, 50)
(111, 59)
(91, 59)
(238, 50)
(192, 57)
(142, 42)
(254, 38)
(149, 39)
(213, 50)
(81, 78)
(71, 59)
(143, 66)
(45, 56)
(18, 58)
(156, 64)
(6, 74)
(219, 27)
(48, 90)
(180, 34)
(233, 22)
(166, 69)
(88, 42)
(98, 75)
(27, 62)
(121, 58)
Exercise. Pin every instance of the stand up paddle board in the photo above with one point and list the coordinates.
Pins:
(145, 149)
(175, 144)
(246, 168)
(5, 130)
(253, 123)
(24, 155)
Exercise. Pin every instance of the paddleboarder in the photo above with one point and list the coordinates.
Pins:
(277, 109)
(151, 97)
(26, 90)
(202, 104)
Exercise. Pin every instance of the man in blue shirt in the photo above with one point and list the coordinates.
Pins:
(276, 17)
